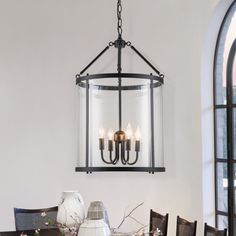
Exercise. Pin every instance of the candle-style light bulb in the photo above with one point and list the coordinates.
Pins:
(110, 134)
(137, 134)
(101, 132)
(129, 132)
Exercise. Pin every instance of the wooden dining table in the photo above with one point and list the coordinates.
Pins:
(42, 232)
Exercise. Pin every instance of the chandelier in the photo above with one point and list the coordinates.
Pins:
(120, 115)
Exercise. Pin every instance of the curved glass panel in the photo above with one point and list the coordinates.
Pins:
(105, 111)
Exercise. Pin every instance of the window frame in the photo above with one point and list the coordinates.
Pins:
(229, 106)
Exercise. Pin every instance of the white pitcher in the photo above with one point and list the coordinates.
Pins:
(71, 211)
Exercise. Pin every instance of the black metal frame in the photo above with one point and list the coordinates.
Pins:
(230, 149)
(158, 80)
(120, 143)
(155, 81)
(81, 81)
(230, 141)
(150, 170)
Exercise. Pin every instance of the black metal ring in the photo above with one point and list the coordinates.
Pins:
(116, 88)
(157, 81)
(120, 75)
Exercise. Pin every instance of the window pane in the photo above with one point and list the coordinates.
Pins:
(234, 81)
(222, 222)
(235, 189)
(222, 186)
(234, 132)
(220, 82)
(221, 135)
(229, 40)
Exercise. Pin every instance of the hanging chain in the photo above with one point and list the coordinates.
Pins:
(119, 23)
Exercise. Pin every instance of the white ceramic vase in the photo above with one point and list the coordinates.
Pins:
(71, 211)
(94, 228)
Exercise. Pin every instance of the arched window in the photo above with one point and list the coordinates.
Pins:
(225, 123)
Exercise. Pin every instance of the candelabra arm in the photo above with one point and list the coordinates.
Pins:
(103, 159)
(116, 159)
(123, 159)
(136, 159)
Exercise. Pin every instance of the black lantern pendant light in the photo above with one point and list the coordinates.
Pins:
(115, 101)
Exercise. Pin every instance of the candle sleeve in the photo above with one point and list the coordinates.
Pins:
(137, 146)
(101, 143)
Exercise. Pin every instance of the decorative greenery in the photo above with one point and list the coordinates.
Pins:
(141, 231)
(48, 221)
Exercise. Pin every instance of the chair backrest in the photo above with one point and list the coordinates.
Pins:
(158, 221)
(185, 228)
(211, 231)
(31, 219)
(43, 232)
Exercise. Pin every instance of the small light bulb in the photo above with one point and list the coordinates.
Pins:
(137, 134)
(101, 133)
(110, 134)
(129, 132)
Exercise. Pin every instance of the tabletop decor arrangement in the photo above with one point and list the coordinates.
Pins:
(71, 219)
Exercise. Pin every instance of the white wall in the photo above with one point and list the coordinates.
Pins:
(42, 45)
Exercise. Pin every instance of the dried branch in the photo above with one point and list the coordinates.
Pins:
(129, 214)
(136, 220)
(142, 228)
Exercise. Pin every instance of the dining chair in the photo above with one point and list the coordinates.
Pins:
(31, 219)
(211, 231)
(158, 221)
(43, 232)
(185, 228)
